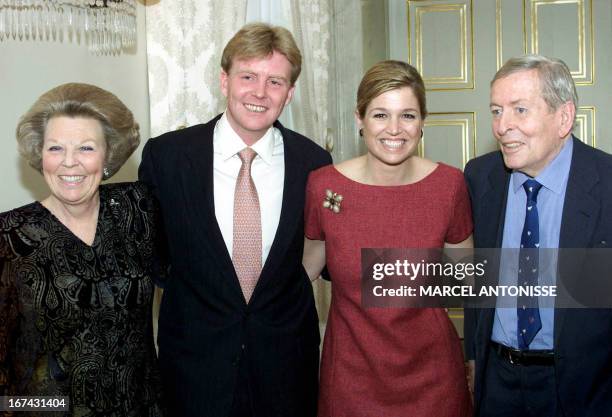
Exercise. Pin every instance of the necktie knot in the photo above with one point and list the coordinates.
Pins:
(532, 187)
(247, 155)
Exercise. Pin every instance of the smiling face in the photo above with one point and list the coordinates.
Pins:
(257, 90)
(392, 126)
(529, 133)
(73, 156)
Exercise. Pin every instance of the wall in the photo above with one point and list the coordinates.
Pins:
(27, 69)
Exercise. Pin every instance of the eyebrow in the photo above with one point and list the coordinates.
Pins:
(384, 109)
(513, 102)
(80, 141)
(248, 71)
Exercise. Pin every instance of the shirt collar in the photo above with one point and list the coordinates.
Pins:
(227, 143)
(554, 176)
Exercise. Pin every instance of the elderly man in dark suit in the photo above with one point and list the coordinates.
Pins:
(238, 331)
(543, 189)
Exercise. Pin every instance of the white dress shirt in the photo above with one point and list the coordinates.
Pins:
(267, 170)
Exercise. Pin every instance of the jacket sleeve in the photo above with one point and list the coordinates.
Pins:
(147, 175)
(146, 170)
(8, 324)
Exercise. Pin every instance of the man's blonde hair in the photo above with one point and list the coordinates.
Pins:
(260, 40)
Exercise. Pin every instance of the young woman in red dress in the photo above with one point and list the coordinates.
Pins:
(391, 362)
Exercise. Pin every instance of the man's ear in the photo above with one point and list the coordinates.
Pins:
(567, 114)
(224, 79)
(290, 94)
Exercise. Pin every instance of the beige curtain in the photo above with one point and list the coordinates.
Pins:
(311, 29)
(346, 72)
(185, 39)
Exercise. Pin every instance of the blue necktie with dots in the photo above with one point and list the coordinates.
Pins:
(528, 312)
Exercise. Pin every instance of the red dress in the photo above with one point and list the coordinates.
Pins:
(388, 362)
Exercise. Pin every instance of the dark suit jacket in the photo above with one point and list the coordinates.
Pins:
(206, 329)
(582, 338)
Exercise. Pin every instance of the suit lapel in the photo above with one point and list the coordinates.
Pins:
(579, 212)
(580, 206)
(199, 192)
(291, 209)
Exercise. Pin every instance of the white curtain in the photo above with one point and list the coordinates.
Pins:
(345, 75)
(185, 39)
(311, 29)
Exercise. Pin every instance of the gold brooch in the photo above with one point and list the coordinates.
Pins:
(332, 201)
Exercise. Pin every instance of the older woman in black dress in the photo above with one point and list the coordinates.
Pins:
(76, 268)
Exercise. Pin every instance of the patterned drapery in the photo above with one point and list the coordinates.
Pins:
(185, 39)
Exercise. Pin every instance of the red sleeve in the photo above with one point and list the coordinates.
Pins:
(460, 226)
(312, 211)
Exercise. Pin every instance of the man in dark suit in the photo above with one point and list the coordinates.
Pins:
(238, 329)
(543, 189)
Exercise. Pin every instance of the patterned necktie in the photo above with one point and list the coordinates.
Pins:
(247, 227)
(528, 312)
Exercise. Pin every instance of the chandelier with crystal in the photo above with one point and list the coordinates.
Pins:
(105, 26)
